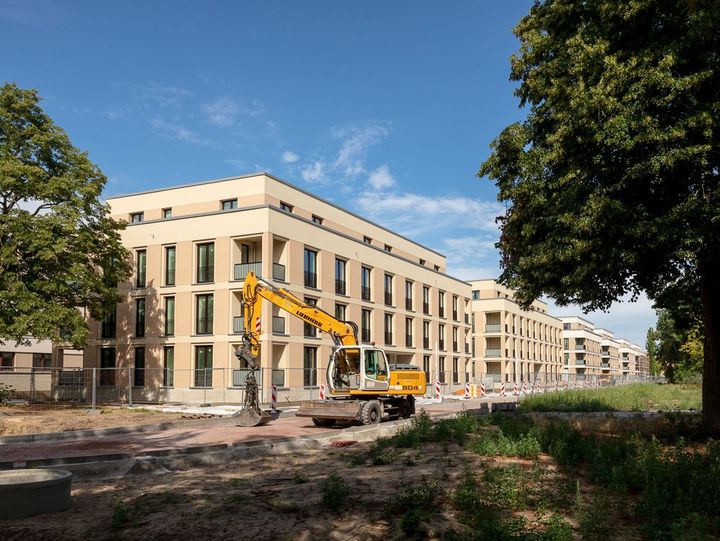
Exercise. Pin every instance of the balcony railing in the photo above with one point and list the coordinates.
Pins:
(492, 327)
(441, 311)
(310, 279)
(426, 308)
(388, 298)
(365, 335)
(278, 272)
(278, 325)
(278, 378)
(340, 287)
(455, 347)
(580, 362)
(604, 365)
(365, 293)
(239, 375)
(455, 315)
(492, 353)
(408, 304)
(408, 340)
(241, 269)
(441, 344)
(388, 338)
(580, 346)
(426, 343)
(238, 324)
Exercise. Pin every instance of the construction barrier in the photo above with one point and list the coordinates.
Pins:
(438, 392)
(515, 389)
(502, 389)
(482, 389)
(273, 398)
(467, 390)
(322, 391)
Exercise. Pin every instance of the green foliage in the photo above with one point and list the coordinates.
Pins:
(7, 393)
(680, 349)
(126, 514)
(300, 478)
(334, 492)
(59, 250)
(500, 444)
(415, 504)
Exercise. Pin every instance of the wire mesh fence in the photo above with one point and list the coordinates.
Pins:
(134, 385)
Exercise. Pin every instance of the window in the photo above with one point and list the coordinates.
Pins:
(365, 325)
(137, 217)
(422, 262)
(310, 268)
(408, 295)
(168, 366)
(229, 204)
(388, 329)
(436, 267)
(455, 339)
(7, 360)
(388, 290)
(455, 373)
(426, 300)
(140, 268)
(441, 369)
(42, 361)
(426, 368)
(367, 240)
(455, 308)
(203, 366)
(310, 366)
(109, 325)
(426, 334)
(170, 265)
(284, 206)
(205, 271)
(408, 332)
(441, 303)
(139, 371)
(365, 283)
(167, 213)
(441, 336)
(204, 314)
(169, 316)
(139, 317)
(476, 295)
(107, 366)
(317, 219)
(566, 326)
(388, 248)
(340, 284)
(340, 311)
(310, 330)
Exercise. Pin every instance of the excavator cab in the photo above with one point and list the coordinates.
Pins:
(358, 368)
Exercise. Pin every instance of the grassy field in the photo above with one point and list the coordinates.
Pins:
(636, 397)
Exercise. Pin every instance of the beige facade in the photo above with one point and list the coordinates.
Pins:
(512, 344)
(193, 245)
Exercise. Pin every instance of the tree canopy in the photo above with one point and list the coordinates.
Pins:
(60, 252)
(611, 181)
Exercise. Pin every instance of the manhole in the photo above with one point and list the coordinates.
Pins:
(30, 492)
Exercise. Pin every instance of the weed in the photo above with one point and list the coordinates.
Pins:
(126, 513)
(334, 492)
(300, 478)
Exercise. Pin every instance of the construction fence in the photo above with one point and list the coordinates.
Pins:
(127, 386)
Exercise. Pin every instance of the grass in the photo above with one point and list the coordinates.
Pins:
(127, 514)
(636, 397)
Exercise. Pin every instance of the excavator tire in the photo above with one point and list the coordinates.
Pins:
(371, 412)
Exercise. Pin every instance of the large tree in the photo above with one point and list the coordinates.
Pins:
(60, 253)
(611, 181)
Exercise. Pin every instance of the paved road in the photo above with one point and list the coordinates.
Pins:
(202, 432)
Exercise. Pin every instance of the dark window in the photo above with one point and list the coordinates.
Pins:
(169, 366)
(310, 268)
(455, 308)
(455, 339)
(422, 262)
(205, 262)
(408, 332)
(317, 219)
(284, 206)
(139, 317)
(137, 217)
(340, 311)
(441, 336)
(42, 361)
(141, 268)
(229, 204)
(455, 373)
(426, 300)
(139, 371)
(388, 248)
(170, 266)
(108, 328)
(7, 360)
(107, 366)
(388, 329)
(441, 369)
(365, 283)
(426, 368)
(204, 311)
(476, 295)
(408, 295)
(388, 290)
(426, 334)
(310, 366)
(203, 366)
(169, 316)
(310, 330)
(340, 268)
(167, 213)
(365, 325)
(441, 304)
(367, 240)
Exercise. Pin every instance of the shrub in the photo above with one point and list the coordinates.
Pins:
(334, 492)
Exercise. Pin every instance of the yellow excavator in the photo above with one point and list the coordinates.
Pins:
(362, 387)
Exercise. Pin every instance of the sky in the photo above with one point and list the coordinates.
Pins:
(384, 108)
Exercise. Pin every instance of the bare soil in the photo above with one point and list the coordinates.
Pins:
(15, 420)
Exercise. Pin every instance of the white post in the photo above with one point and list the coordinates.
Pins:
(130, 374)
(94, 383)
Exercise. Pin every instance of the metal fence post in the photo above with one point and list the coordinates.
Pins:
(32, 385)
(129, 387)
(94, 388)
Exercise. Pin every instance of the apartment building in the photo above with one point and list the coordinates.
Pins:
(609, 353)
(512, 344)
(582, 351)
(632, 359)
(180, 320)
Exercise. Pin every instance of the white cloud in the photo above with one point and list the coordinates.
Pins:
(157, 95)
(381, 178)
(176, 131)
(112, 115)
(221, 112)
(314, 172)
(290, 157)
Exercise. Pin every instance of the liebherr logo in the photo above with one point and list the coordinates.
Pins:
(308, 318)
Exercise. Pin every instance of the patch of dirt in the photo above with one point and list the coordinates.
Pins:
(15, 420)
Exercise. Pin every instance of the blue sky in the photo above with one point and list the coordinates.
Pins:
(385, 108)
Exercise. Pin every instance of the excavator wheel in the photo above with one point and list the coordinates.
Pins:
(371, 412)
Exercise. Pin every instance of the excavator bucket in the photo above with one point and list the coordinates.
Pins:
(252, 417)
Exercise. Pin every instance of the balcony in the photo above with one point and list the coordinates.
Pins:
(492, 353)
(604, 365)
(580, 347)
(340, 287)
(365, 293)
(278, 272)
(492, 327)
(278, 325)
(241, 269)
(579, 362)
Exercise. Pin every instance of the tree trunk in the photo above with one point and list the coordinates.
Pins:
(710, 294)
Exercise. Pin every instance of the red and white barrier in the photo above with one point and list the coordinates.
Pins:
(322, 391)
(438, 392)
(273, 397)
(257, 324)
(515, 389)
(524, 387)
(502, 388)
(482, 390)
(467, 390)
